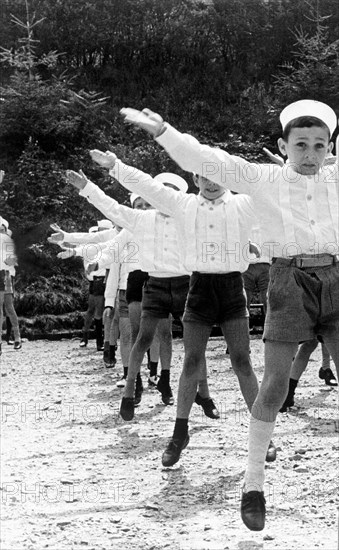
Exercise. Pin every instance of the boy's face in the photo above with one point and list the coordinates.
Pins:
(141, 204)
(306, 149)
(209, 190)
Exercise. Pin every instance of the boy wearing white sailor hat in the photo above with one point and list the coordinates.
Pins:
(298, 208)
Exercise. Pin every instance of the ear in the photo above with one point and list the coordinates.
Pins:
(282, 146)
(330, 147)
(196, 180)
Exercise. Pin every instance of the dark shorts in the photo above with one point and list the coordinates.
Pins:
(256, 277)
(123, 306)
(98, 286)
(2, 280)
(164, 295)
(135, 282)
(215, 298)
(302, 303)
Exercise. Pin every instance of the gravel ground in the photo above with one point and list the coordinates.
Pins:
(75, 475)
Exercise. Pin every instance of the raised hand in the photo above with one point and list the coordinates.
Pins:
(277, 159)
(145, 119)
(108, 313)
(58, 237)
(11, 260)
(77, 179)
(90, 268)
(106, 160)
(66, 254)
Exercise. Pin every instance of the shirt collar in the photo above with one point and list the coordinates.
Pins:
(225, 198)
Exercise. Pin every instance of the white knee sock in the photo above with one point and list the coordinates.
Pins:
(260, 434)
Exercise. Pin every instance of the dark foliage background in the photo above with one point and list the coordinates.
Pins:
(220, 69)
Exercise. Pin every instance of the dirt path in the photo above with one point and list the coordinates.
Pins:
(74, 475)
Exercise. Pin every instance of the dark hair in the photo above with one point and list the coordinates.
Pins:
(304, 122)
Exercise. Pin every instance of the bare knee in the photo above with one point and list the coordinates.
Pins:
(192, 364)
(144, 341)
(241, 364)
(273, 390)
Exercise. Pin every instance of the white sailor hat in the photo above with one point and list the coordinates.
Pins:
(93, 229)
(4, 222)
(309, 107)
(173, 179)
(105, 224)
(133, 197)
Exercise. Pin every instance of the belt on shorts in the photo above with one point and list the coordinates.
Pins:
(303, 262)
(102, 277)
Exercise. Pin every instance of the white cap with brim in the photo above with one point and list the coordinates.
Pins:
(173, 179)
(309, 107)
(4, 222)
(105, 224)
(133, 197)
(93, 229)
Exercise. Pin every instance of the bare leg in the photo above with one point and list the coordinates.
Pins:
(325, 358)
(196, 337)
(302, 358)
(333, 348)
(125, 340)
(134, 313)
(11, 313)
(236, 334)
(89, 315)
(143, 341)
(164, 333)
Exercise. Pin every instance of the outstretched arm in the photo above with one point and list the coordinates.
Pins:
(163, 199)
(62, 237)
(121, 215)
(229, 171)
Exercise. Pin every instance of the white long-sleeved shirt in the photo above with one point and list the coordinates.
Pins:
(298, 214)
(213, 234)
(7, 250)
(154, 235)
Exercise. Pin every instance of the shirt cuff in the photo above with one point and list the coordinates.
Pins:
(169, 138)
(118, 166)
(88, 189)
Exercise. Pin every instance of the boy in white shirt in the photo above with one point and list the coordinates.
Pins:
(298, 206)
(214, 227)
(157, 241)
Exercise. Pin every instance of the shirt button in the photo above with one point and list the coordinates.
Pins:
(210, 208)
(211, 226)
(166, 235)
(212, 258)
(165, 249)
(312, 222)
(309, 197)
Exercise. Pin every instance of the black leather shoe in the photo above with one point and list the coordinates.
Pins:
(288, 403)
(253, 510)
(208, 406)
(127, 408)
(17, 345)
(166, 392)
(271, 454)
(138, 394)
(328, 376)
(173, 450)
